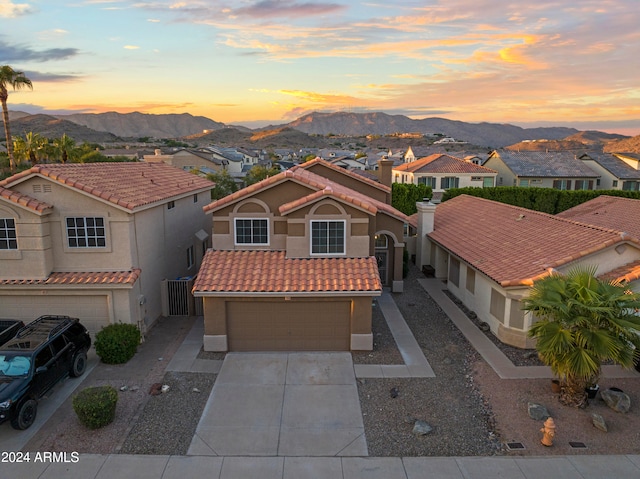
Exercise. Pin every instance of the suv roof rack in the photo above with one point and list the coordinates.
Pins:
(43, 328)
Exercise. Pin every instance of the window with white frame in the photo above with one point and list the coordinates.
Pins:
(252, 231)
(8, 238)
(86, 232)
(327, 237)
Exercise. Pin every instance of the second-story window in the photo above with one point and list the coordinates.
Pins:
(252, 231)
(327, 237)
(86, 232)
(8, 238)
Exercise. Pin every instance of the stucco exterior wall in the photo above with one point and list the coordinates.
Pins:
(34, 258)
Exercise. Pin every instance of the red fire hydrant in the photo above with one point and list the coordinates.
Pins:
(548, 432)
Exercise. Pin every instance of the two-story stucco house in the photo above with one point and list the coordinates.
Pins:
(297, 259)
(490, 253)
(562, 170)
(441, 172)
(96, 240)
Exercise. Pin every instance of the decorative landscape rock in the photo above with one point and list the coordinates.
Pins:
(616, 400)
(538, 412)
(598, 422)
(421, 428)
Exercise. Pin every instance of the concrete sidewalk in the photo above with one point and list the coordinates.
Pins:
(186, 467)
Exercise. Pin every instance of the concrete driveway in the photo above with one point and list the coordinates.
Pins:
(282, 404)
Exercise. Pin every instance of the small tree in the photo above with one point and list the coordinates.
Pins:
(224, 184)
(259, 173)
(583, 321)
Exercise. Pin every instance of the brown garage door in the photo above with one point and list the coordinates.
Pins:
(288, 326)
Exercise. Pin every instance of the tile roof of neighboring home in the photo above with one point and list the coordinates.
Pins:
(130, 185)
(353, 174)
(614, 212)
(515, 246)
(25, 201)
(322, 186)
(540, 164)
(84, 278)
(615, 166)
(440, 163)
(272, 272)
(624, 274)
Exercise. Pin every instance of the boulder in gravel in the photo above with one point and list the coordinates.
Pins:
(616, 400)
(421, 428)
(598, 422)
(538, 412)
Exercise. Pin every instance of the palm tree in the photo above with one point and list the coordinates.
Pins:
(17, 80)
(583, 321)
(63, 147)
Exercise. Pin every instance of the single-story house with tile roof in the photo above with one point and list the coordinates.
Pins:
(490, 254)
(562, 170)
(296, 261)
(617, 171)
(441, 172)
(97, 240)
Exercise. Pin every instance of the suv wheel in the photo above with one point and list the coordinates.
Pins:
(79, 364)
(25, 415)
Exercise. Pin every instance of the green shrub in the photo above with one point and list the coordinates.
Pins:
(96, 406)
(117, 343)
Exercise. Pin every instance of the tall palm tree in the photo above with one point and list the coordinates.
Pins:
(16, 80)
(63, 147)
(583, 321)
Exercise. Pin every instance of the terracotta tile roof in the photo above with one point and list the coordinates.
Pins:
(83, 278)
(625, 273)
(322, 186)
(440, 163)
(615, 212)
(512, 245)
(25, 201)
(358, 174)
(272, 272)
(130, 185)
(540, 164)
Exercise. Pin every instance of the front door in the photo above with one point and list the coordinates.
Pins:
(381, 258)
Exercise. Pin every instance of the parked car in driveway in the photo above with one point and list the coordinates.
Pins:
(41, 354)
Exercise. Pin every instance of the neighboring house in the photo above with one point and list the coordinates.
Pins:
(124, 152)
(441, 172)
(296, 260)
(618, 171)
(490, 253)
(189, 159)
(347, 162)
(561, 170)
(96, 240)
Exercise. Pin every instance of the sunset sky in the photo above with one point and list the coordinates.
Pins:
(544, 62)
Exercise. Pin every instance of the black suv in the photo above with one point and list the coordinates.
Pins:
(41, 354)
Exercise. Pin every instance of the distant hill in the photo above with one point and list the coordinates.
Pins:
(627, 145)
(273, 138)
(584, 140)
(52, 127)
(310, 130)
(139, 125)
(491, 135)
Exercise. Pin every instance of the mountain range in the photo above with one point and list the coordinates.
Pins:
(114, 127)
